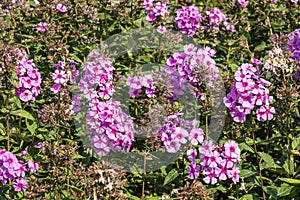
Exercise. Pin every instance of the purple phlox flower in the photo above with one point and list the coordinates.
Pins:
(193, 170)
(20, 184)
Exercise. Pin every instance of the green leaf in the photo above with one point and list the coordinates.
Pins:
(17, 102)
(284, 190)
(245, 147)
(78, 156)
(269, 161)
(76, 58)
(247, 197)
(271, 190)
(76, 188)
(14, 79)
(23, 113)
(261, 46)
(76, 49)
(247, 173)
(31, 127)
(233, 66)
(163, 170)
(171, 176)
(291, 181)
(296, 143)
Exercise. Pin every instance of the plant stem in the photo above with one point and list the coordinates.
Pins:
(144, 175)
(259, 162)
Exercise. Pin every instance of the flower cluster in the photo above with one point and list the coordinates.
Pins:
(215, 18)
(188, 19)
(294, 47)
(139, 83)
(29, 79)
(217, 162)
(193, 65)
(176, 131)
(156, 9)
(14, 169)
(108, 126)
(249, 90)
(64, 73)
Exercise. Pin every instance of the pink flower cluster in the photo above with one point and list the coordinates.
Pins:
(248, 91)
(14, 169)
(108, 126)
(176, 132)
(215, 18)
(29, 79)
(193, 65)
(64, 73)
(217, 162)
(294, 47)
(188, 19)
(156, 9)
(138, 84)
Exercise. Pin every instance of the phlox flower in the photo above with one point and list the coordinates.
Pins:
(20, 184)
(55, 88)
(19, 170)
(32, 166)
(244, 85)
(147, 80)
(172, 146)
(151, 16)
(243, 2)
(9, 160)
(232, 150)
(234, 174)
(230, 27)
(223, 170)
(161, 29)
(190, 49)
(211, 175)
(148, 4)
(216, 16)
(238, 116)
(76, 102)
(160, 9)
(207, 146)
(191, 153)
(196, 136)
(210, 51)
(180, 135)
(26, 95)
(59, 77)
(193, 170)
(264, 113)
(62, 8)
(42, 26)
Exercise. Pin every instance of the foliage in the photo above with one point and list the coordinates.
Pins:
(57, 37)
